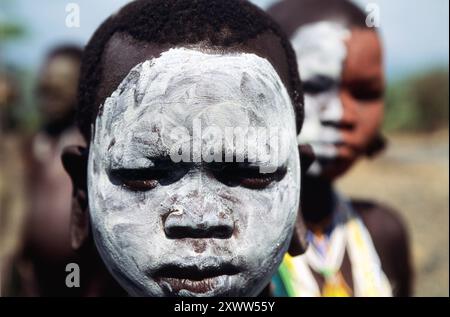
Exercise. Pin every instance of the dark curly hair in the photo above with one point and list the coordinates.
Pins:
(222, 23)
(292, 14)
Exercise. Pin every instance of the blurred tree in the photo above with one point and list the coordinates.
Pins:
(419, 103)
(8, 29)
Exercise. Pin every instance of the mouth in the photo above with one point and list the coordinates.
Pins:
(194, 279)
(330, 152)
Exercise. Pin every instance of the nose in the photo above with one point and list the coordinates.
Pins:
(199, 220)
(350, 106)
(340, 111)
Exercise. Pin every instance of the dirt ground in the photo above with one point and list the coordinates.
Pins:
(412, 175)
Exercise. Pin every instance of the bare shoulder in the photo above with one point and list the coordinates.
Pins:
(383, 222)
(391, 240)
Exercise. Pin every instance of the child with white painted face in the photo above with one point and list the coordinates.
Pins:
(356, 248)
(166, 227)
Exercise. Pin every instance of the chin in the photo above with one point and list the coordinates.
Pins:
(336, 169)
(220, 286)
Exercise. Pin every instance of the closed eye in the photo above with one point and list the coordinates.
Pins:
(371, 89)
(138, 179)
(318, 84)
(366, 94)
(145, 179)
(235, 174)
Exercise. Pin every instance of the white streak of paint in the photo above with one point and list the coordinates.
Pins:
(321, 51)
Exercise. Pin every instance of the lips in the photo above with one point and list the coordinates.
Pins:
(194, 279)
(197, 287)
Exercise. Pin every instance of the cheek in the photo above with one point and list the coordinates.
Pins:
(124, 222)
(270, 216)
(371, 118)
(320, 108)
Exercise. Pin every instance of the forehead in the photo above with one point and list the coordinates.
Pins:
(122, 53)
(61, 64)
(364, 56)
(320, 48)
(330, 49)
(181, 85)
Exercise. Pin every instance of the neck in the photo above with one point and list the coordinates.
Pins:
(317, 202)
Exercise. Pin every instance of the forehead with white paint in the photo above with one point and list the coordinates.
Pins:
(321, 49)
(244, 232)
(184, 85)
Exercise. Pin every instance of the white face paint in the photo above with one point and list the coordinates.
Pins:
(321, 52)
(191, 235)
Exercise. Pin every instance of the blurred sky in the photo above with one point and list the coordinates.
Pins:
(415, 32)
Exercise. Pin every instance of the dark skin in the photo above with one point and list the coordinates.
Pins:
(124, 53)
(361, 94)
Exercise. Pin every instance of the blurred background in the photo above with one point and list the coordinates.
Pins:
(411, 175)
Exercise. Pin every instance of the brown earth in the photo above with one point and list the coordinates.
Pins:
(412, 176)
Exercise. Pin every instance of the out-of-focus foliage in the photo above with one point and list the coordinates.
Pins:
(9, 28)
(418, 103)
(10, 31)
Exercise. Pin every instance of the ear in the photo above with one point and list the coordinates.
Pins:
(74, 159)
(299, 243)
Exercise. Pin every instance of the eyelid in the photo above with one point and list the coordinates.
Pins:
(132, 172)
(241, 166)
(142, 163)
(146, 179)
(135, 165)
(248, 176)
(365, 94)
(138, 180)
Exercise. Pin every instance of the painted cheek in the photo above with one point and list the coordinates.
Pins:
(275, 207)
(332, 108)
(321, 110)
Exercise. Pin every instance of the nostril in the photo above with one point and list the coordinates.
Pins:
(200, 231)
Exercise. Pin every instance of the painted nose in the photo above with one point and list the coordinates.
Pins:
(332, 110)
(199, 220)
(339, 112)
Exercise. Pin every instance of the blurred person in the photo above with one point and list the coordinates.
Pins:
(356, 248)
(12, 198)
(9, 96)
(47, 248)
